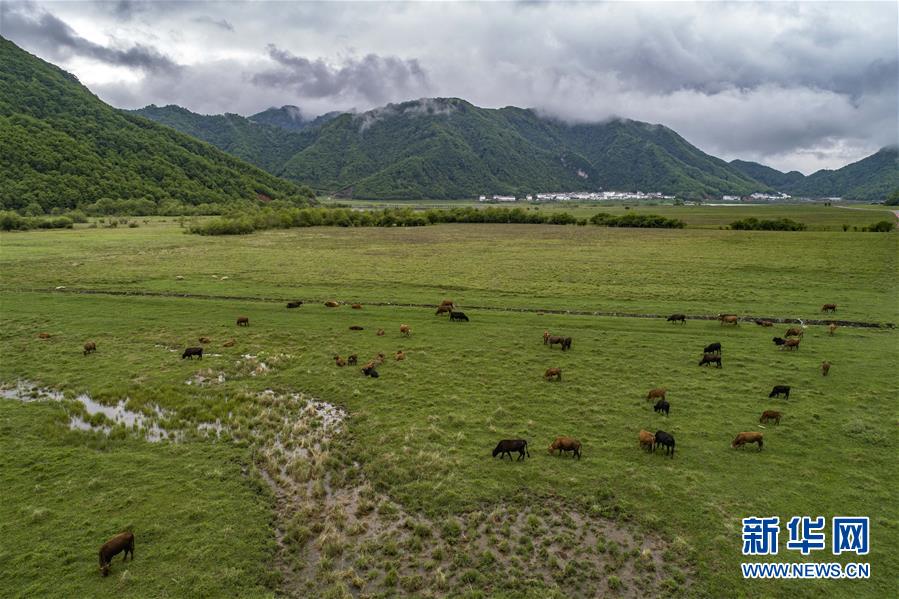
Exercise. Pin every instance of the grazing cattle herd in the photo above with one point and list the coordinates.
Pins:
(712, 354)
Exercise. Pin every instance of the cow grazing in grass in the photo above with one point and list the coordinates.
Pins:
(546, 337)
(831, 328)
(825, 368)
(553, 373)
(352, 360)
(204, 340)
(829, 308)
(190, 352)
(443, 310)
(356, 306)
(449, 303)
(662, 406)
(243, 321)
(770, 416)
(90, 347)
(380, 333)
(711, 359)
(400, 356)
(564, 342)
(794, 332)
(729, 319)
(340, 362)
(566, 444)
(228, 343)
(750, 437)
(656, 393)
(356, 327)
(666, 439)
(647, 441)
(764, 323)
(295, 304)
(458, 316)
(369, 370)
(778, 341)
(681, 318)
(507, 446)
(405, 330)
(791, 343)
(43, 335)
(331, 304)
(114, 546)
(712, 348)
(779, 390)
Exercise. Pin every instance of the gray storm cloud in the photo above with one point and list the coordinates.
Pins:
(802, 85)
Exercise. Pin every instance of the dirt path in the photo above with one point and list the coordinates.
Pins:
(774, 319)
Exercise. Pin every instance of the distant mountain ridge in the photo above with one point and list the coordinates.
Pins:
(291, 118)
(872, 178)
(63, 147)
(447, 148)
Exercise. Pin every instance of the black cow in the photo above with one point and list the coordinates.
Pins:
(710, 359)
(460, 316)
(712, 348)
(778, 341)
(190, 352)
(681, 318)
(295, 304)
(662, 406)
(663, 438)
(370, 372)
(779, 390)
(507, 446)
(352, 360)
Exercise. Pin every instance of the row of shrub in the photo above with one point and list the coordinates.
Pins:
(242, 222)
(754, 224)
(13, 221)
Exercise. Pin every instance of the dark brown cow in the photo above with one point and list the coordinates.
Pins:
(791, 343)
(443, 310)
(829, 308)
(356, 327)
(356, 306)
(204, 340)
(114, 546)
(770, 416)
(352, 359)
(564, 342)
(507, 446)
(825, 368)
(90, 347)
(711, 359)
(681, 318)
(750, 437)
(764, 323)
(553, 373)
(340, 362)
(295, 304)
(43, 335)
(243, 321)
(190, 352)
(406, 330)
(566, 444)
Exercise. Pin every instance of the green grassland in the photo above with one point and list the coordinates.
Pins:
(418, 439)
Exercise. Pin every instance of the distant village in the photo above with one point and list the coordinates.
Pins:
(599, 196)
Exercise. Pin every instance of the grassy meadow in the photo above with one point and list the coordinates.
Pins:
(404, 499)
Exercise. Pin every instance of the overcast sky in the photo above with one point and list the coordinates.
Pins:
(792, 85)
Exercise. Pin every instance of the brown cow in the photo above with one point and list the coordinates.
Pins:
(443, 310)
(794, 332)
(331, 304)
(769, 416)
(114, 546)
(729, 319)
(204, 340)
(791, 343)
(449, 303)
(400, 355)
(406, 330)
(243, 321)
(831, 328)
(553, 373)
(90, 347)
(356, 306)
(352, 359)
(228, 343)
(764, 323)
(711, 359)
(566, 444)
(43, 335)
(546, 337)
(380, 333)
(829, 308)
(751, 437)
(825, 368)
(340, 362)
(656, 393)
(647, 440)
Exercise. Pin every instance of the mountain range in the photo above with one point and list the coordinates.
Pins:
(64, 147)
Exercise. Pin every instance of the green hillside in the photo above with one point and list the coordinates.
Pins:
(290, 118)
(63, 147)
(873, 178)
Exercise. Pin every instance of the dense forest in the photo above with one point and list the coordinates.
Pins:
(64, 148)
